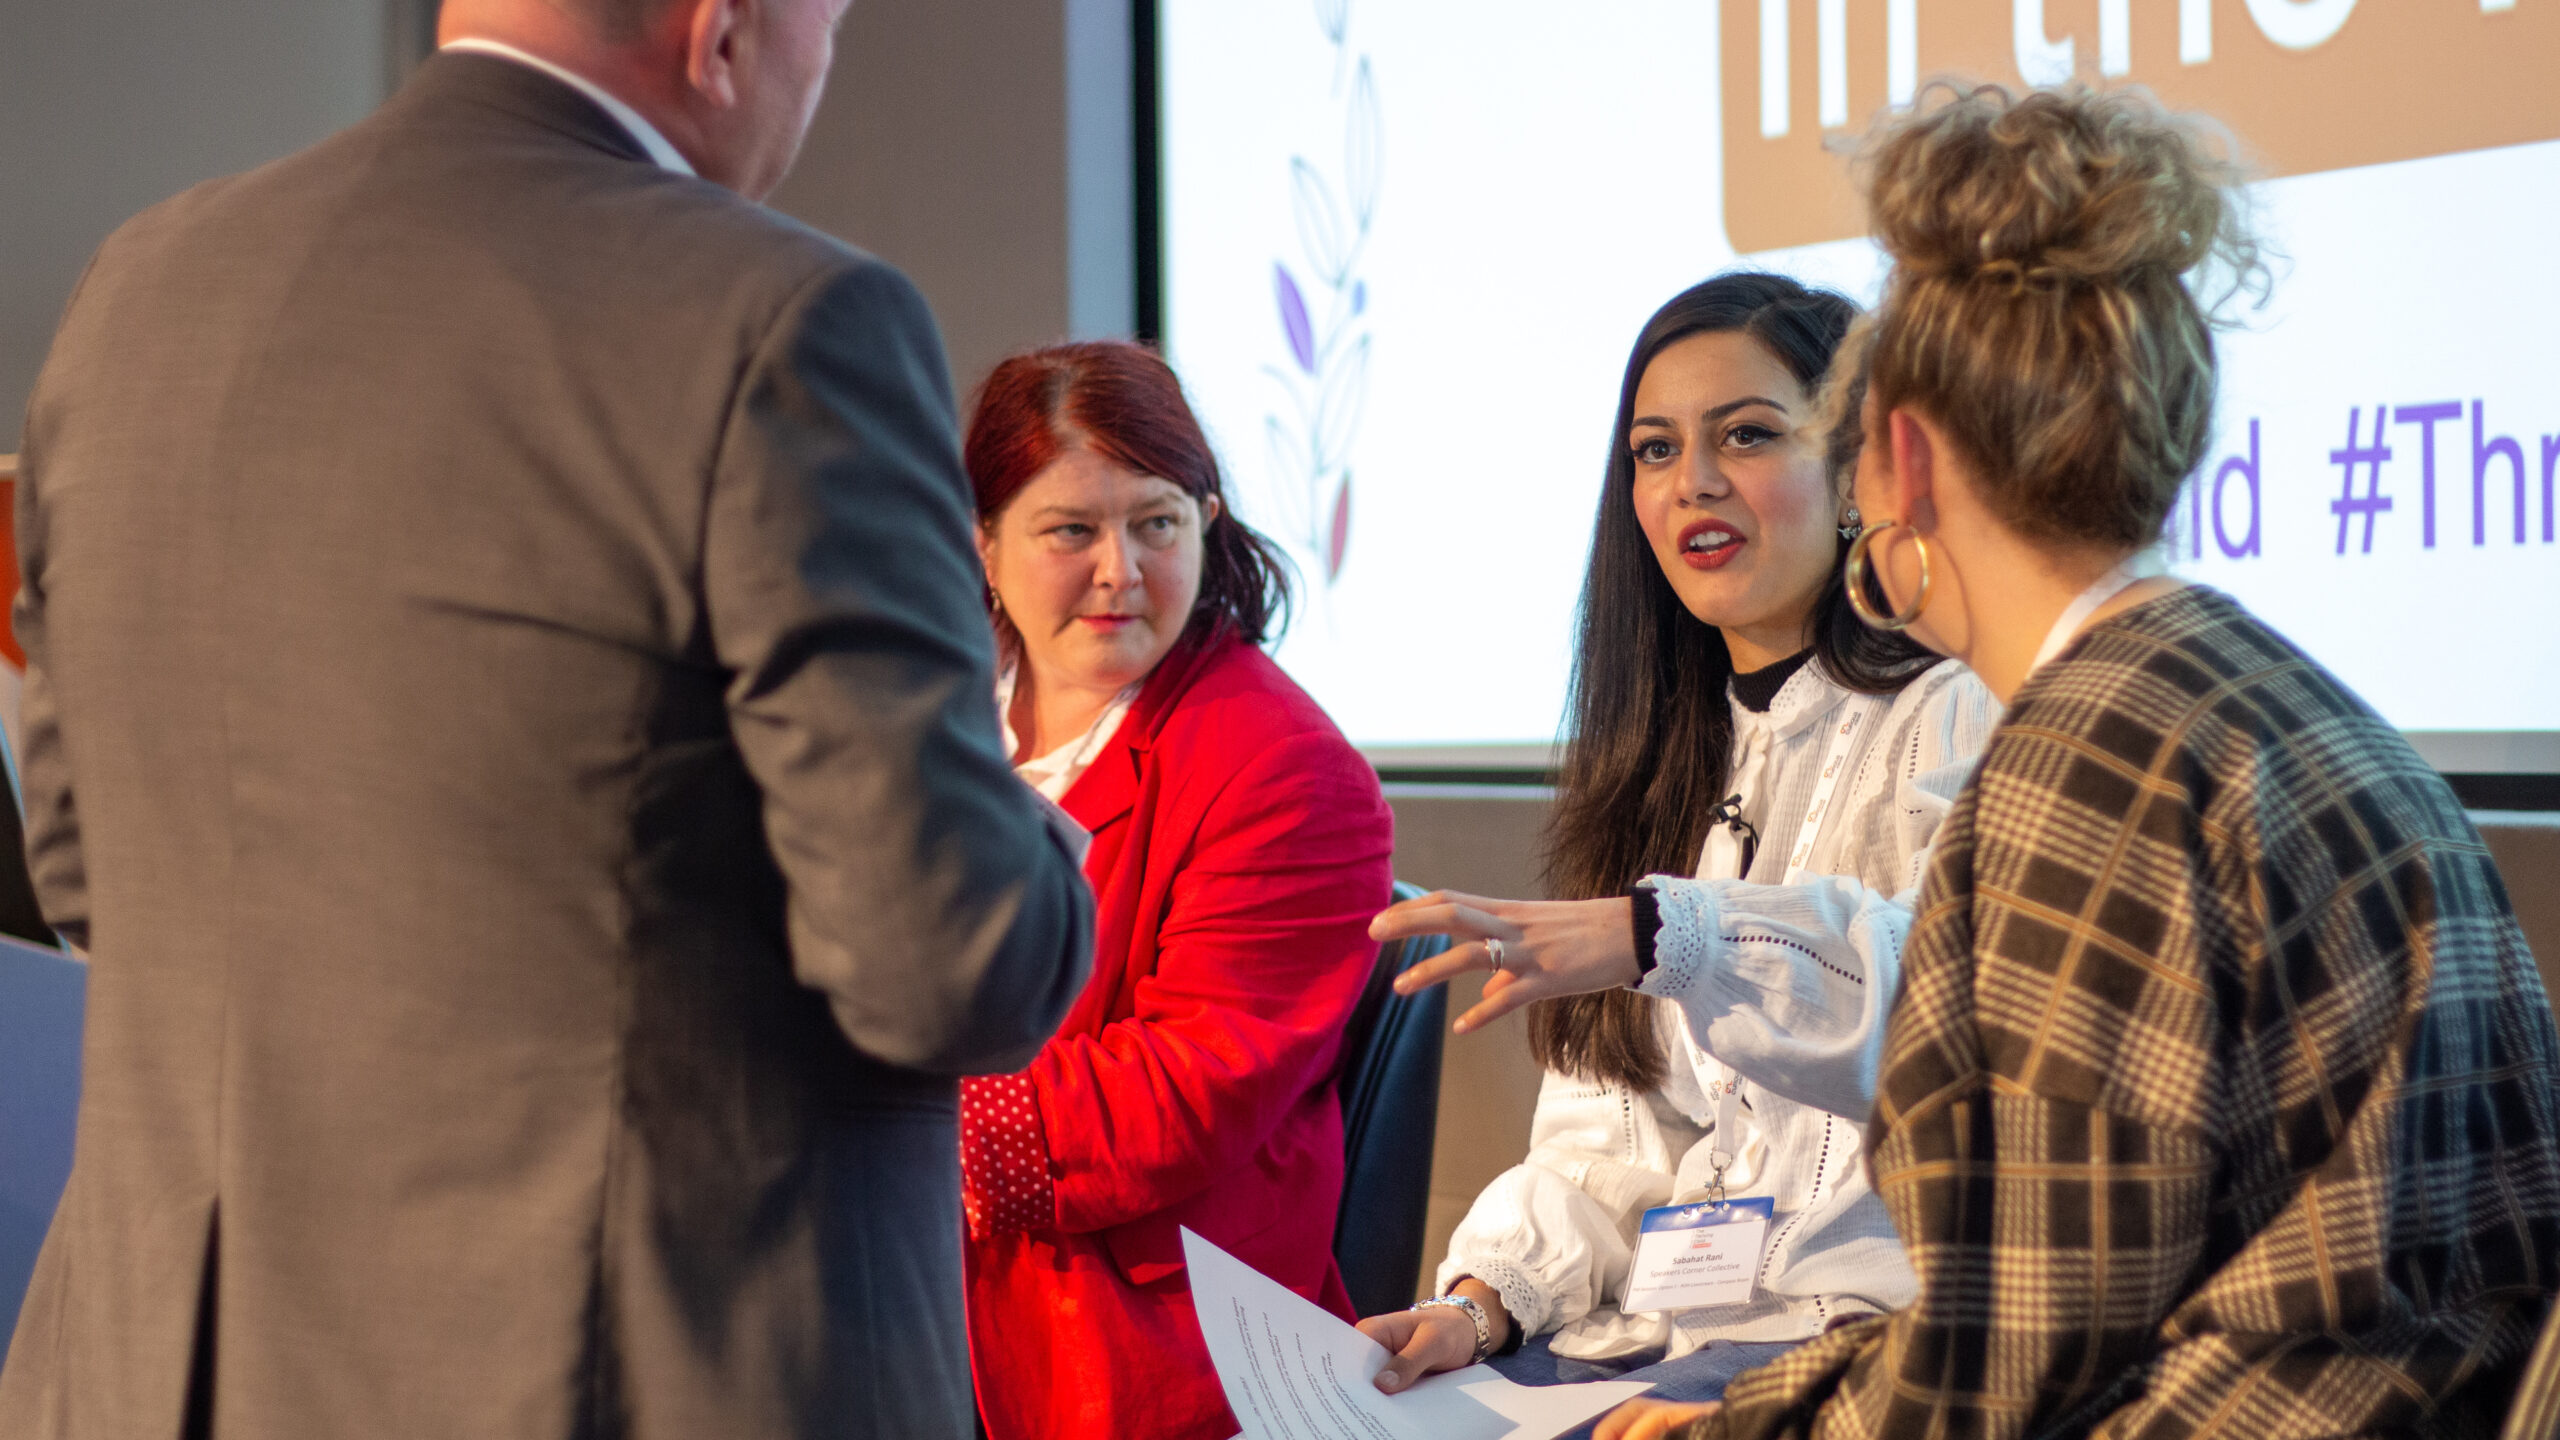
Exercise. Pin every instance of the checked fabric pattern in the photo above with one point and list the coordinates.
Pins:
(2219, 1099)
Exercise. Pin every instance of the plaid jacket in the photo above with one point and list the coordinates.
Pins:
(2220, 1096)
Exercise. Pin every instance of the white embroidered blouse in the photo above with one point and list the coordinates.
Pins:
(1780, 990)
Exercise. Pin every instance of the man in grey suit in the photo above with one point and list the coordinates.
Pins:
(509, 715)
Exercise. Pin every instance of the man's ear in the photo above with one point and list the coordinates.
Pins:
(1210, 510)
(1916, 452)
(711, 45)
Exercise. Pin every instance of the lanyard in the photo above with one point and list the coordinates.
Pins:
(1726, 822)
(1728, 1104)
(2137, 567)
(1727, 1092)
(1834, 761)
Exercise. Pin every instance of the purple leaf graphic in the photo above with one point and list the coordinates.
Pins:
(1340, 538)
(1293, 317)
(1360, 298)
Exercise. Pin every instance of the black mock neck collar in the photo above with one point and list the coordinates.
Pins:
(1758, 689)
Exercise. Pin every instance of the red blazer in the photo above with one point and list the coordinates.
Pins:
(1240, 848)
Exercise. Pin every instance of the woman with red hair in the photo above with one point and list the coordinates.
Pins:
(1239, 847)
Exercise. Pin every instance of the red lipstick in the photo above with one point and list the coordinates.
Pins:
(1709, 544)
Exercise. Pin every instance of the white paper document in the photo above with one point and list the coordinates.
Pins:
(1294, 1372)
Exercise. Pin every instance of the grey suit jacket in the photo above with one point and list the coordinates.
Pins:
(509, 714)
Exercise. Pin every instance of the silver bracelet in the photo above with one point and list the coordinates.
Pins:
(1475, 1312)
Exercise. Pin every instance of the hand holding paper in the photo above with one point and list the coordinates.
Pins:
(1294, 1372)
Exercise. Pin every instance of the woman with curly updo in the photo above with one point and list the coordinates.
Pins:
(2219, 1098)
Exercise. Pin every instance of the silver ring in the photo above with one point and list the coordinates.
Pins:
(1493, 952)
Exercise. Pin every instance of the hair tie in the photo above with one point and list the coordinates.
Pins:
(2019, 277)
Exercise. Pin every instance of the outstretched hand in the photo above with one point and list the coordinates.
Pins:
(1549, 947)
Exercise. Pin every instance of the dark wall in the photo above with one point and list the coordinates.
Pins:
(941, 148)
(107, 106)
(1483, 841)
(943, 144)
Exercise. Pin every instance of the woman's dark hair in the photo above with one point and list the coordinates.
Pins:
(1122, 402)
(1647, 754)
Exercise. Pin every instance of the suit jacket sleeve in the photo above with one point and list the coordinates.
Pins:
(930, 903)
(1261, 955)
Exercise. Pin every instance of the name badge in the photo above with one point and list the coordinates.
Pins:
(1702, 1254)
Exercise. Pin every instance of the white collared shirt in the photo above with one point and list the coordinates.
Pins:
(1057, 772)
(664, 153)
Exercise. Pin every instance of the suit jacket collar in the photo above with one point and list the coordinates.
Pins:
(487, 81)
(1109, 787)
(653, 141)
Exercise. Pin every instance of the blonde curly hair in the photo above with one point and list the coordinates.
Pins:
(2047, 249)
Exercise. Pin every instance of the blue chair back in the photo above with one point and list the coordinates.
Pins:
(42, 996)
(1390, 1115)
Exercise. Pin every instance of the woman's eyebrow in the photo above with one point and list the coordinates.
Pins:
(1714, 413)
(1747, 401)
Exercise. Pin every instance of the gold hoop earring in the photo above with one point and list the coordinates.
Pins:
(1855, 576)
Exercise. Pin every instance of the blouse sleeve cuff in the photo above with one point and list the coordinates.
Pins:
(1521, 1297)
(1685, 942)
(1005, 1185)
(1644, 917)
